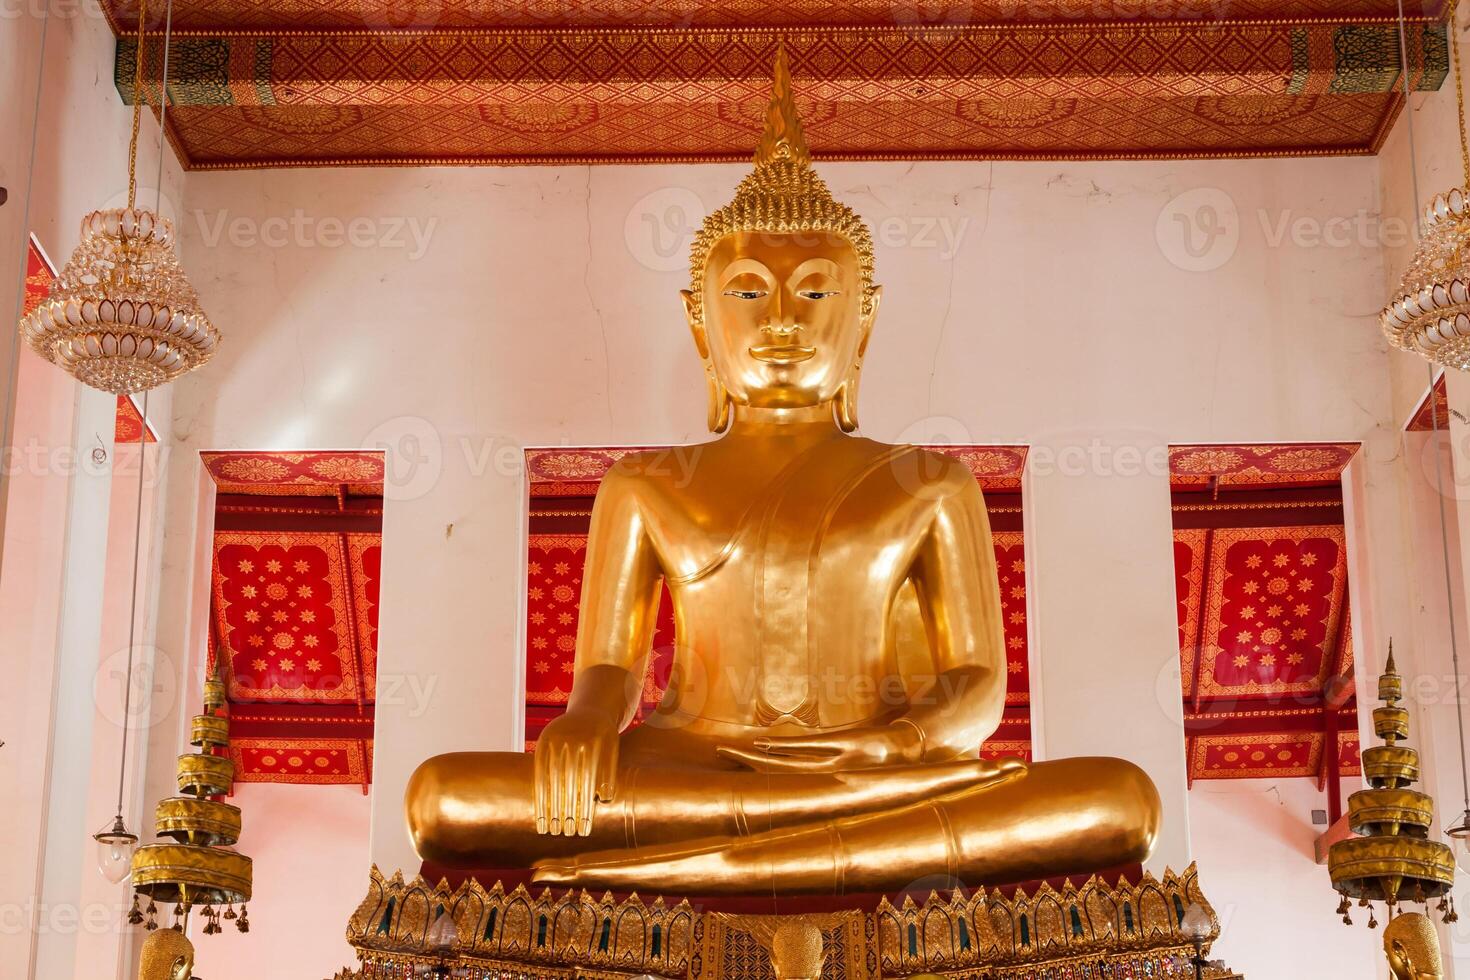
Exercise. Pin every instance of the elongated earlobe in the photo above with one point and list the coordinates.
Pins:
(718, 417)
(845, 404)
(718, 414)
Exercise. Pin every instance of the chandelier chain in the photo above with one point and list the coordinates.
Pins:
(1458, 52)
(168, 32)
(122, 769)
(137, 104)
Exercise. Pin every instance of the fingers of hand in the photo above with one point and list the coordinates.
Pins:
(553, 793)
(1003, 770)
(796, 745)
(586, 777)
(607, 770)
(773, 763)
(540, 779)
(569, 779)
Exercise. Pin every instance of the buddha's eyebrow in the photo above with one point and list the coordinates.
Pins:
(740, 266)
(810, 266)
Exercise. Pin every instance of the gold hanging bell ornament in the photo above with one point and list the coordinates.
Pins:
(195, 863)
(1392, 860)
(122, 316)
(1430, 316)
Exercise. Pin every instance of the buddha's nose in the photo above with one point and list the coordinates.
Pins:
(780, 328)
(780, 317)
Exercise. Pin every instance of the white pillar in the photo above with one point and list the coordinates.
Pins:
(66, 851)
(1099, 543)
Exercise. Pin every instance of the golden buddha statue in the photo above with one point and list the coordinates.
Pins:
(1412, 947)
(167, 955)
(840, 656)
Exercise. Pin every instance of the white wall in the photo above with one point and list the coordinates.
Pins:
(1253, 839)
(309, 847)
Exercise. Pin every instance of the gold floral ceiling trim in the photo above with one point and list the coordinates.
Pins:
(1195, 89)
(202, 16)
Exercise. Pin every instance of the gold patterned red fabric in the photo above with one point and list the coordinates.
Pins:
(1434, 411)
(1256, 756)
(564, 482)
(1259, 466)
(285, 625)
(194, 16)
(1274, 609)
(320, 761)
(129, 427)
(378, 83)
(320, 473)
(39, 276)
(1265, 638)
(297, 567)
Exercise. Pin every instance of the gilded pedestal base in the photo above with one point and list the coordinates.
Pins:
(1091, 932)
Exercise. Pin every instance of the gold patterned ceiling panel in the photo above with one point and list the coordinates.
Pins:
(312, 83)
(376, 15)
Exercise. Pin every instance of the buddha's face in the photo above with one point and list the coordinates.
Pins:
(783, 320)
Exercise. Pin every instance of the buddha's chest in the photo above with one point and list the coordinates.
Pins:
(835, 518)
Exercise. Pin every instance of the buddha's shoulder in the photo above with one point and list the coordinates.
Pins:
(927, 473)
(658, 465)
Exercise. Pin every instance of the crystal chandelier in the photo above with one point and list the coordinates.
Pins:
(1430, 316)
(122, 316)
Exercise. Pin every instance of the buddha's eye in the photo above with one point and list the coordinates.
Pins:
(745, 293)
(817, 293)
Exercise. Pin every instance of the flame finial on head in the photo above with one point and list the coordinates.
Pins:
(783, 138)
(782, 195)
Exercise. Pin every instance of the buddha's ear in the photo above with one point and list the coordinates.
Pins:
(875, 297)
(696, 323)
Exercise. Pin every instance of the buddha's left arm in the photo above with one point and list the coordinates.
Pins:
(959, 598)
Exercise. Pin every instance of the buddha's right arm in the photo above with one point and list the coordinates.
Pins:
(620, 597)
(576, 755)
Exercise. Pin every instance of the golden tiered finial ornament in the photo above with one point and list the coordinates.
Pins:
(1393, 861)
(198, 867)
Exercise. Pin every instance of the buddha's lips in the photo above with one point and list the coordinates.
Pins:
(782, 353)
